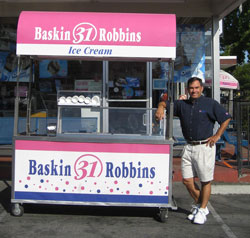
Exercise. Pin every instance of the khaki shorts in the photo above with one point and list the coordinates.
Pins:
(198, 161)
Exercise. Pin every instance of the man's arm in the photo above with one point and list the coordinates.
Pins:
(160, 111)
(159, 115)
(213, 139)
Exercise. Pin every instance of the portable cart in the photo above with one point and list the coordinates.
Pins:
(85, 162)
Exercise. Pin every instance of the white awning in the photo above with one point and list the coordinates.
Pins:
(227, 80)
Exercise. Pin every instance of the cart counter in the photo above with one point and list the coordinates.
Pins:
(106, 171)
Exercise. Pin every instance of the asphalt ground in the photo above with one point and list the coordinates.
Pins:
(229, 218)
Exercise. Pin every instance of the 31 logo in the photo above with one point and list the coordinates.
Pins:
(87, 166)
(84, 32)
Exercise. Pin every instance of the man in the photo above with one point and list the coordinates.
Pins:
(198, 115)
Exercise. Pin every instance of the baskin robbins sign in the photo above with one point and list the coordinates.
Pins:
(104, 35)
(91, 172)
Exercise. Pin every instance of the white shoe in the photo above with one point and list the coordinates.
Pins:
(200, 217)
(194, 210)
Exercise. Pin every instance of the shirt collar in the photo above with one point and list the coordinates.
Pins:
(196, 100)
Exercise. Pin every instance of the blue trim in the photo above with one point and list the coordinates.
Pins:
(90, 197)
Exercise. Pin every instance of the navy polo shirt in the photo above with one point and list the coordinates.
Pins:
(198, 117)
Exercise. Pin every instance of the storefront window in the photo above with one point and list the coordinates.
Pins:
(127, 87)
(160, 74)
(8, 69)
(55, 75)
(127, 80)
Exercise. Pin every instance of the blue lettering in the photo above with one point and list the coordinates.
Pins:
(145, 172)
(46, 168)
(86, 51)
(139, 170)
(32, 167)
(90, 51)
(109, 170)
(152, 172)
(53, 168)
(124, 170)
(67, 170)
(61, 168)
(74, 51)
(49, 169)
(40, 169)
(132, 170)
(117, 172)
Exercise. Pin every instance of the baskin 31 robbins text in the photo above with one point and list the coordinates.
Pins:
(83, 168)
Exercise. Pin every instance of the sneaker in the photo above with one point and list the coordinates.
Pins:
(200, 217)
(194, 210)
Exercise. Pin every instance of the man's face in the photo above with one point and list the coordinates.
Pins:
(195, 89)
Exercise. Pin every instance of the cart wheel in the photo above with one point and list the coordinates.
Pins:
(163, 214)
(17, 210)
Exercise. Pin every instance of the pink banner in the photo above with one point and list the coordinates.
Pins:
(96, 34)
(92, 147)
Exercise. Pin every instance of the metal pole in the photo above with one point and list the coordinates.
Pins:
(238, 130)
(29, 98)
(216, 58)
(248, 136)
(170, 114)
(16, 109)
(149, 104)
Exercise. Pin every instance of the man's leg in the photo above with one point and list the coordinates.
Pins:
(202, 165)
(201, 216)
(193, 189)
(188, 173)
(205, 193)
(195, 193)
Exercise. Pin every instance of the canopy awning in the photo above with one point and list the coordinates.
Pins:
(100, 35)
(227, 81)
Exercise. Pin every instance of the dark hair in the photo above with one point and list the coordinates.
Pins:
(191, 80)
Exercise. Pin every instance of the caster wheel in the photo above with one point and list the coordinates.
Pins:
(17, 210)
(163, 215)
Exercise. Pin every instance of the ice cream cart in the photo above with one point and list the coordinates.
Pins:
(82, 159)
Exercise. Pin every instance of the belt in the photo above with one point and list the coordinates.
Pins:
(197, 142)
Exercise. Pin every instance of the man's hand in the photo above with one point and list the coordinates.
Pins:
(159, 115)
(183, 97)
(212, 140)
